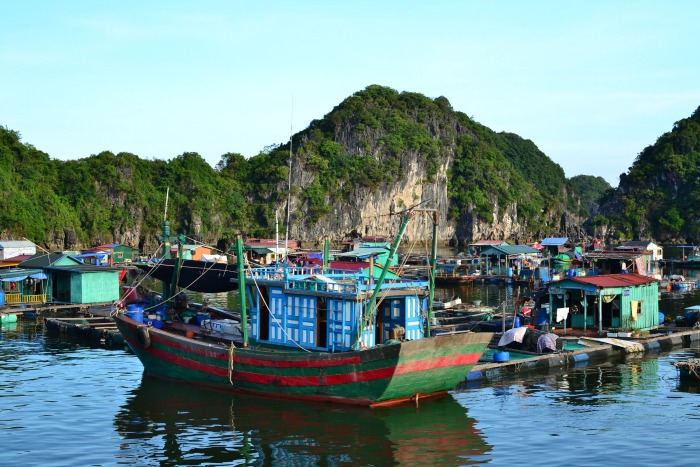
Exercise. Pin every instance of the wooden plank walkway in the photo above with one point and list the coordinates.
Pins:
(36, 309)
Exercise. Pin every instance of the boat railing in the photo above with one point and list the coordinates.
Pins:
(344, 288)
(331, 280)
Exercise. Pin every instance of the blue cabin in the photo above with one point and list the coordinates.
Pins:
(316, 310)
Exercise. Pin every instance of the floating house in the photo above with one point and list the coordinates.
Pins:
(555, 245)
(95, 257)
(21, 286)
(193, 252)
(12, 248)
(71, 281)
(618, 262)
(364, 259)
(106, 255)
(629, 301)
(642, 246)
(366, 242)
(267, 251)
(503, 260)
(83, 284)
(478, 246)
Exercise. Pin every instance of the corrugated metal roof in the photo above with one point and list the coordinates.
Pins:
(639, 243)
(488, 242)
(109, 245)
(83, 268)
(509, 250)
(16, 244)
(614, 280)
(43, 260)
(554, 241)
(362, 252)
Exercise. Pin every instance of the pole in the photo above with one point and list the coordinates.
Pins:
(432, 272)
(370, 305)
(241, 290)
(165, 238)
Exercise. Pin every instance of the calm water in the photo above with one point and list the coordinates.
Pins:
(63, 403)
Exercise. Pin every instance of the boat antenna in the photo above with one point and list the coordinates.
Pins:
(289, 183)
(165, 213)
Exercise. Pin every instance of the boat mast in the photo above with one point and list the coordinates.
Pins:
(289, 186)
(241, 290)
(170, 287)
(432, 272)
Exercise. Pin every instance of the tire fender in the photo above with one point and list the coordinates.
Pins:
(143, 336)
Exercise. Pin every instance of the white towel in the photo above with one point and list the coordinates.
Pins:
(562, 314)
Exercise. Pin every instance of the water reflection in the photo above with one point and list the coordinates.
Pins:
(174, 424)
(592, 385)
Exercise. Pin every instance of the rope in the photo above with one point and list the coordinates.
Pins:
(230, 364)
(692, 365)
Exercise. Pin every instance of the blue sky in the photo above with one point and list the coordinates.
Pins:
(591, 83)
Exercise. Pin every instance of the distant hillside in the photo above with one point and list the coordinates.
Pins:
(660, 196)
(591, 190)
(376, 153)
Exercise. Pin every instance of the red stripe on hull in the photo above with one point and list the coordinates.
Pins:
(185, 362)
(298, 364)
(423, 365)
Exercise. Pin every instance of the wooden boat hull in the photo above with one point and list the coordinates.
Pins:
(194, 275)
(381, 375)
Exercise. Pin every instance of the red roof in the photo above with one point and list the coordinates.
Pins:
(270, 242)
(13, 261)
(614, 280)
(489, 242)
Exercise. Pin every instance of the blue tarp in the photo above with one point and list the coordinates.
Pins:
(38, 275)
(14, 278)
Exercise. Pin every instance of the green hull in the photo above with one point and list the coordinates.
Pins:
(380, 375)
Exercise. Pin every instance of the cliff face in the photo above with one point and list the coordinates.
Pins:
(373, 213)
(369, 212)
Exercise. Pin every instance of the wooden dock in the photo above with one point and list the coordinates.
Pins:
(97, 330)
(664, 339)
(40, 309)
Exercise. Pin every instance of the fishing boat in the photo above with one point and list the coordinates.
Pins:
(318, 334)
